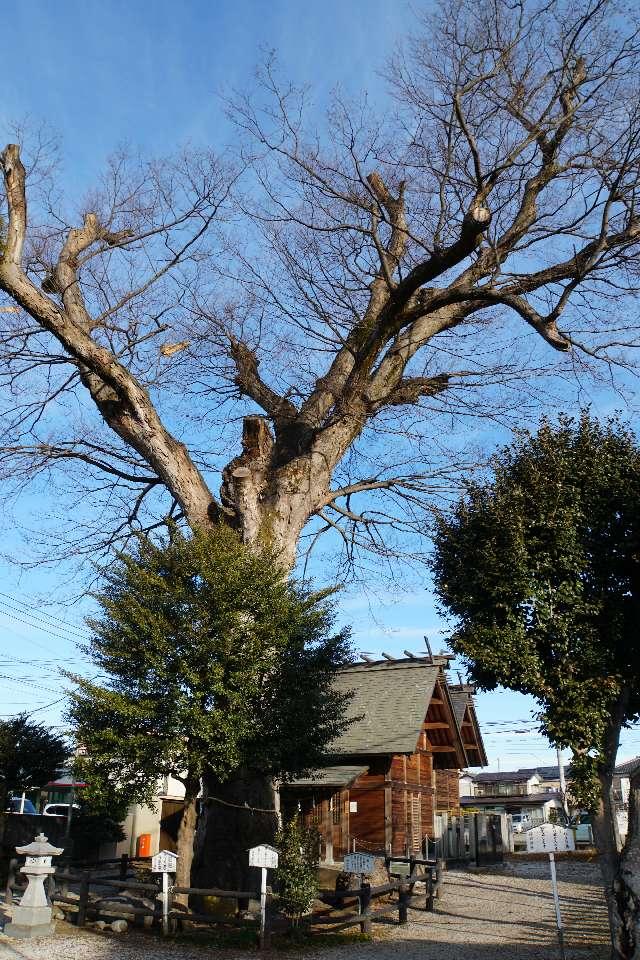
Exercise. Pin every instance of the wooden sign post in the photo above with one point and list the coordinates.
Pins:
(164, 863)
(550, 838)
(266, 858)
(362, 863)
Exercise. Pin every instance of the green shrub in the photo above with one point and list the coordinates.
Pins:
(297, 873)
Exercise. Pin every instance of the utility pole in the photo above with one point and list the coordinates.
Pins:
(563, 783)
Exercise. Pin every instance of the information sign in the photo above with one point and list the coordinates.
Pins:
(264, 856)
(164, 862)
(550, 838)
(359, 862)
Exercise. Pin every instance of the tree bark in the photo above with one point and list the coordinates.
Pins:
(237, 814)
(620, 870)
(626, 932)
(186, 838)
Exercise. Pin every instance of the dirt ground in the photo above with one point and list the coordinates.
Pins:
(503, 913)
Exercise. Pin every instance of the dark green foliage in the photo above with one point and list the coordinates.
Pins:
(297, 873)
(540, 567)
(30, 756)
(213, 660)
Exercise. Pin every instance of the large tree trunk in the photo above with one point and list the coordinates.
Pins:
(620, 870)
(237, 814)
(268, 494)
(186, 838)
(626, 932)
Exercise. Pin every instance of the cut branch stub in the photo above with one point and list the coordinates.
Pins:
(14, 178)
(241, 473)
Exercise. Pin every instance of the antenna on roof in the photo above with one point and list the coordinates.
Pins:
(428, 646)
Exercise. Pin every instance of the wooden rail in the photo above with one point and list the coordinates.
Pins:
(366, 915)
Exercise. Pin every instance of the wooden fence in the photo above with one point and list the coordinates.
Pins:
(367, 911)
(357, 907)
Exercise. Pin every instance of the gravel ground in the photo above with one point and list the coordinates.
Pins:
(500, 914)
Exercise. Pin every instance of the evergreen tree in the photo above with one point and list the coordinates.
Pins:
(297, 873)
(213, 661)
(30, 755)
(540, 566)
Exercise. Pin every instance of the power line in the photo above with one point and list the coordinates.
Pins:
(29, 713)
(49, 616)
(51, 629)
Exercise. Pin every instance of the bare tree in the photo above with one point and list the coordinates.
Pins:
(337, 291)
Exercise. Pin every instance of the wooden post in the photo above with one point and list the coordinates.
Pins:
(11, 879)
(441, 866)
(263, 908)
(83, 899)
(556, 903)
(365, 902)
(165, 904)
(429, 891)
(403, 902)
(328, 829)
(124, 866)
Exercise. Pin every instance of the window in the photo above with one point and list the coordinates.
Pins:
(335, 805)
(314, 813)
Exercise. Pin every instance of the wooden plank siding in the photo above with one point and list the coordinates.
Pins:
(447, 791)
(367, 824)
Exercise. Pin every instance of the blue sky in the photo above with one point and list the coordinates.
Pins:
(101, 74)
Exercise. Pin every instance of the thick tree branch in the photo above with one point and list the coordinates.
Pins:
(251, 384)
(14, 174)
(122, 401)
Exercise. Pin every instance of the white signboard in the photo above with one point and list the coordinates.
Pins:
(164, 862)
(264, 856)
(359, 862)
(550, 838)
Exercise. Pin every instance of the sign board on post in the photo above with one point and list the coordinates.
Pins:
(266, 858)
(551, 838)
(359, 862)
(164, 863)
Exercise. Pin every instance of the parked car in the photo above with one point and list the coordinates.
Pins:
(18, 805)
(520, 822)
(58, 809)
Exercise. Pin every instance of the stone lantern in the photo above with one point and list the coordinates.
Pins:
(32, 917)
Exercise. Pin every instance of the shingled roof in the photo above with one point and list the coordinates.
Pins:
(628, 767)
(460, 701)
(389, 705)
(330, 777)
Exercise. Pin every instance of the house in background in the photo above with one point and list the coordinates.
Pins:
(526, 792)
(622, 781)
(397, 765)
(621, 790)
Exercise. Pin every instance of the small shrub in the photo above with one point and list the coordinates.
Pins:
(297, 873)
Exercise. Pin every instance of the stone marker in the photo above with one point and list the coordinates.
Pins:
(32, 917)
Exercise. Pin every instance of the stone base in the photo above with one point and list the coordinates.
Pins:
(21, 932)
